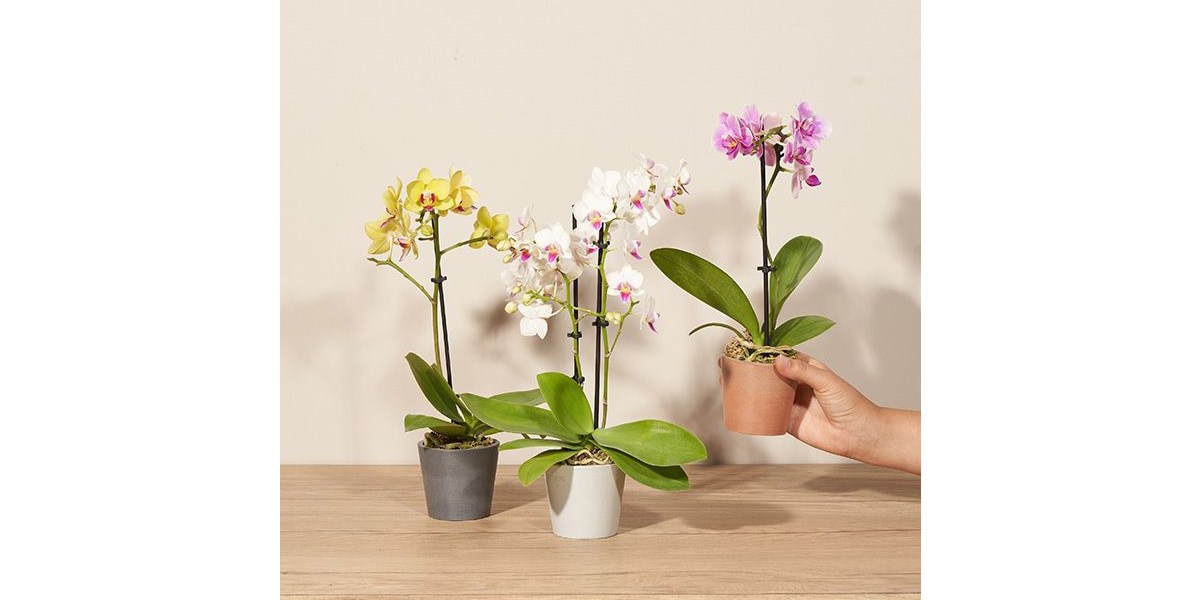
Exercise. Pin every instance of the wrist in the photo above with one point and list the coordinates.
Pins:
(891, 438)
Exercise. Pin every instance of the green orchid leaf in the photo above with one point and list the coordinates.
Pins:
(669, 479)
(533, 468)
(654, 442)
(709, 284)
(735, 331)
(434, 386)
(800, 329)
(795, 259)
(517, 418)
(527, 397)
(536, 442)
(412, 422)
(452, 431)
(567, 401)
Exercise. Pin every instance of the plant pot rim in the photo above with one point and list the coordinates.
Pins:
(563, 464)
(769, 365)
(494, 443)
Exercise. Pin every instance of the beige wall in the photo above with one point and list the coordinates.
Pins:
(528, 97)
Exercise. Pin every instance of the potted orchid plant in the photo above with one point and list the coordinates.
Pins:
(586, 459)
(458, 458)
(755, 400)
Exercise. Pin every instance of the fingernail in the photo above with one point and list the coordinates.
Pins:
(783, 361)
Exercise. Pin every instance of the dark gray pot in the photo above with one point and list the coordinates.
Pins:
(458, 483)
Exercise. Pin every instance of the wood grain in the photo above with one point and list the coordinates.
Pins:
(784, 531)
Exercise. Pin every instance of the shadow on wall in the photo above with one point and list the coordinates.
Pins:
(883, 360)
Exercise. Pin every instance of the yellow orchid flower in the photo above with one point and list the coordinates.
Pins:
(393, 229)
(462, 193)
(391, 198)
(382, 234)
(426, 194)
(495, 228)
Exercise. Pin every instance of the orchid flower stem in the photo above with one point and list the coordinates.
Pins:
(397, 267)
(573, 296)
(440, 295)
(466, 242)
(574, 314)
(766, 253)
(601, 306)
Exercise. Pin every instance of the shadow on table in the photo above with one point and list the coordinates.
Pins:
(707, 515)
(909, 488)
(510, 494)
(724, 515)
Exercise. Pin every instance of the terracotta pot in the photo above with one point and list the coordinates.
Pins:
(585, 500)
(756, 400)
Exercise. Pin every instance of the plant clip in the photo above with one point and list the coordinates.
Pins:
(600, 322)
(766, 269)
(575, 334)
(602, 245)
(578, 379)
(438, 279)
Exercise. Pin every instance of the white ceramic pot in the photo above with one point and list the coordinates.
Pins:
(585, 500)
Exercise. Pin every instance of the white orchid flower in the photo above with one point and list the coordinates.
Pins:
(653, 169)
(649, 315)
(553, 242)
(533, 318)
(633, 247)
(604, 182)
(626, 284)
(592, 211)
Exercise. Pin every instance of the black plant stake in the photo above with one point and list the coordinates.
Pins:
(599, 322)
(766, 253)
(437, 280)
(575, 334)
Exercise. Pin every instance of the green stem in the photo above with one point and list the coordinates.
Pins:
(395, 266)
(574, 324)
(602, 282)
(608, 350)
(440, 296)
(564, 304)
(466, 242)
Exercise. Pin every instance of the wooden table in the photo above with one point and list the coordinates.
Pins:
(827, 532)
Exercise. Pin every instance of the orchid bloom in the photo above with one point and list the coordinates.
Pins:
(759, 124)
(809, 128)
(626, 283)
(495, 228)
(394, 228)
(426, 194)
(533, 318)
(592, 211)
(632, 248)
(554, 244)
(733, 137)
(649, 315)
(604, 182)
(636, 204)
(461, 193)
(654, 169)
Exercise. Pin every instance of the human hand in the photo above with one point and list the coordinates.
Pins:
(830, 414)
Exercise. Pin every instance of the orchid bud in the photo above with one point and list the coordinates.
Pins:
(613, 317)
(516, 289)
(527, 299)
(508, 258)
(510, 308)
(503, 246)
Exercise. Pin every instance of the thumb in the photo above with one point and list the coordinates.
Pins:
(801, 371)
